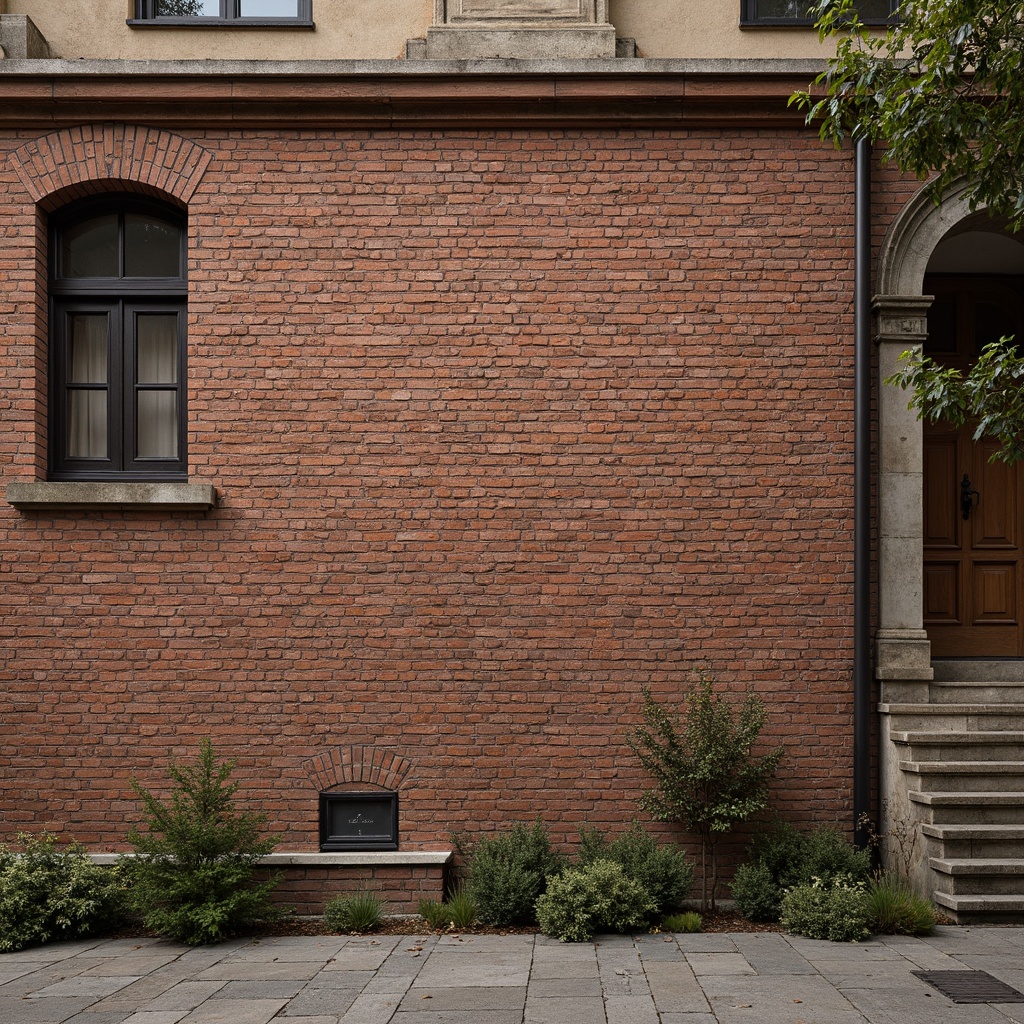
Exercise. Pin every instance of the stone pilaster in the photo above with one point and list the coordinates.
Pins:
(903, 652)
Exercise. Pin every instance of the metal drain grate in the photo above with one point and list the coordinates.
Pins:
(970, 986)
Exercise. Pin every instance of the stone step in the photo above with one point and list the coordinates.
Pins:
(960, 776)
(970, 808)
(989, 909)
(985, 841)
(967, 717)
(991, 691)
(957, 745)
(980, 876)
(996, 669)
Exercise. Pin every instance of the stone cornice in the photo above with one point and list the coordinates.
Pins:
(398, 94)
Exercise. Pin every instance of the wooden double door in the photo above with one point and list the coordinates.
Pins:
(973, 507)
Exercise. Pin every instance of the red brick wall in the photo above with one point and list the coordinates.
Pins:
(504, 425)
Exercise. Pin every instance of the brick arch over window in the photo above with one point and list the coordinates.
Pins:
(93, 158)
(372, 766)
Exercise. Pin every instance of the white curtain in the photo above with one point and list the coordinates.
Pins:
(87, 408)
(157, 363)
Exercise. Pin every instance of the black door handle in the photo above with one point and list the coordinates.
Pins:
(967, 496)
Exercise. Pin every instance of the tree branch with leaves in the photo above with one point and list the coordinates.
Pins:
(943, 89)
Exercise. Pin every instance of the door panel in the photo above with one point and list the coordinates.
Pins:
(972, 506)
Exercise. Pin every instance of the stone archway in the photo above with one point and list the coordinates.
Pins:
(902, 649)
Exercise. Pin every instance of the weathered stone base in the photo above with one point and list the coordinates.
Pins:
(461, 43)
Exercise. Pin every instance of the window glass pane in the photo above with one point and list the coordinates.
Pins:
(152, 248)
(157, 424)
(87, 424)
(156, 348)
(783, 8)
(874, 10)
(188, 8)
(87, 348)
(799, 10)
(268, 9)
(89, 248)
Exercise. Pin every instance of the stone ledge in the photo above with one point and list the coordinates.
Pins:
(39, 494)
(369, 858)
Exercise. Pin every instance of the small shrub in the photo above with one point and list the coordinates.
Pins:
(457, 912)
(460, 909)
(784, 858)
(895, 909)
(757, 893)
(193, 878)
(360, 912)
(596, 898)
(830, 855)
(835, 910)
(687, 922)
(661, 870)
(433, 913)
(508, 872)
(48, 894)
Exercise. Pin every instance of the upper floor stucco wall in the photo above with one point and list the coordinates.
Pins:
(358, 29)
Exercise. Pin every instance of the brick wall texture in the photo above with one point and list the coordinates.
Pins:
(504, 424)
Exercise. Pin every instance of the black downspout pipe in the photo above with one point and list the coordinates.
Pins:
(862, 493)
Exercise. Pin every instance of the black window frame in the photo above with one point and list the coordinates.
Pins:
(339, 843)
(230, 17)
(749, 17)
(122, 299)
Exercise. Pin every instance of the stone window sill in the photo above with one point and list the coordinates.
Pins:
(41, 495)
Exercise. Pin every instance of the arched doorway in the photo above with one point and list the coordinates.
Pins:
(973, 586)
(970, 256)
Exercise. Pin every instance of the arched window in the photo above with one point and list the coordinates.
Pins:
(117, 341)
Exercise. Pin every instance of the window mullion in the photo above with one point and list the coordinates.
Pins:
(121, 337)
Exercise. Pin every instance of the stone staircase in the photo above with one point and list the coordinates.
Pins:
(961, 759)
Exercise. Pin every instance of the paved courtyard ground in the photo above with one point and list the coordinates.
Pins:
(765, 978)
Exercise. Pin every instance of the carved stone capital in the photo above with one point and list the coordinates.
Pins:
(902, 318)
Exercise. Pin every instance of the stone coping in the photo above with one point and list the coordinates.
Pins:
(45, 494)
(419, 68)
(314, 859)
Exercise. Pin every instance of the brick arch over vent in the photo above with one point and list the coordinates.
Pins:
(92, 158)
(372, 766)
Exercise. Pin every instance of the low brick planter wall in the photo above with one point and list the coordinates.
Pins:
(308, 880)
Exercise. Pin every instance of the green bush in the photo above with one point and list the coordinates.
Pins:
(360, 912)
(193, 878)
(661, 870)
(682, 923)
(784, 858)
(458, 911)
(836, 910)
(757, 892)
(508, 872)
(47, 894)
(895, 909)
(596, 898)
(434, 914)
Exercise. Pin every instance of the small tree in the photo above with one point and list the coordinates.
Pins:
(193, 878)
(705, 774)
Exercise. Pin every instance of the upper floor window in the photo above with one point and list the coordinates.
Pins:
(240, 13)
(117, 341)
(797, 12)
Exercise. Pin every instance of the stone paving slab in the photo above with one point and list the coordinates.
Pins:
(758, 978)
